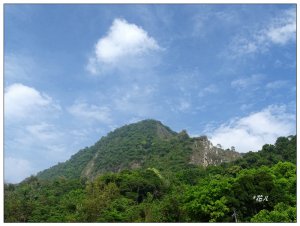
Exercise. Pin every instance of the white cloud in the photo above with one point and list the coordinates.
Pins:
(32, 141)
(280, 30)
(242, 46)
(44, 140)
(184, 105)
(277, 84)
(16, 169)
(38, 143)
(123, 39)
(24, 103)
(247, 82)
(91, 112)
(206, 20)
(43, 132)
(211, 89)
(135, 119)
(17, 67)
(123, 43)
(253, 131)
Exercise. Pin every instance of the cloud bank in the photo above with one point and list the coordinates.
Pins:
(281, 30)
(251, 132)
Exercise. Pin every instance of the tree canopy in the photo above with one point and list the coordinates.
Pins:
(260, 187)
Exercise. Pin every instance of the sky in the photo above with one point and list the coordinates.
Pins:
(73, 73)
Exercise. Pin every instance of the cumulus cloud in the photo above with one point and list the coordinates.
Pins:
(23, 102)
(90, 112)
(253, 131)
(281, 30)
(123, 41)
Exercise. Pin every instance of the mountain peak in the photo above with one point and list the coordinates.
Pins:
(148, 127)
(147, 143)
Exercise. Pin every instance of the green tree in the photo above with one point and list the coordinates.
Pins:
(281, 213)
(99, 197)
(207, 202)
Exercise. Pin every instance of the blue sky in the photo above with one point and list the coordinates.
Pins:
(75, 72)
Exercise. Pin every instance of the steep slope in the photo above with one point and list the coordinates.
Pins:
(128, 147)
(148, 143)
(204, 153)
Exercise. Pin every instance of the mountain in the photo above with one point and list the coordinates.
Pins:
(144, 144)
(257, 187)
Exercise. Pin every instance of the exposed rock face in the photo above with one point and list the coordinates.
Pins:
(88, 169)
(204, 153)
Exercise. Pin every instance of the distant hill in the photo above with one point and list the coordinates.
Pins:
(147, 143)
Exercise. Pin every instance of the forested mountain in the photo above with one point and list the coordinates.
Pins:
(145, 172)
(145, 144)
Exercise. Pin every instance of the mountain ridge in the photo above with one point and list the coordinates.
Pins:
(147, 143)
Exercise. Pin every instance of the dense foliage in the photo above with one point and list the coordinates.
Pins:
(124, 148)
(144, 144)
(260, 187)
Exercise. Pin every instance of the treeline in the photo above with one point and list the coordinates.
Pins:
(260, 187)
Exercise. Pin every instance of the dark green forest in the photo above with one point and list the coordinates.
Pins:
(257, 187)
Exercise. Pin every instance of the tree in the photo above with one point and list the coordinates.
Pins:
(281, 213)
(207, 202)
(99, 197)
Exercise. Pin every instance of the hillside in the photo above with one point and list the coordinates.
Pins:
(147, 143)
(258, 187)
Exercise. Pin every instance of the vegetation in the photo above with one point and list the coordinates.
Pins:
(259, 187)
(140, 145)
